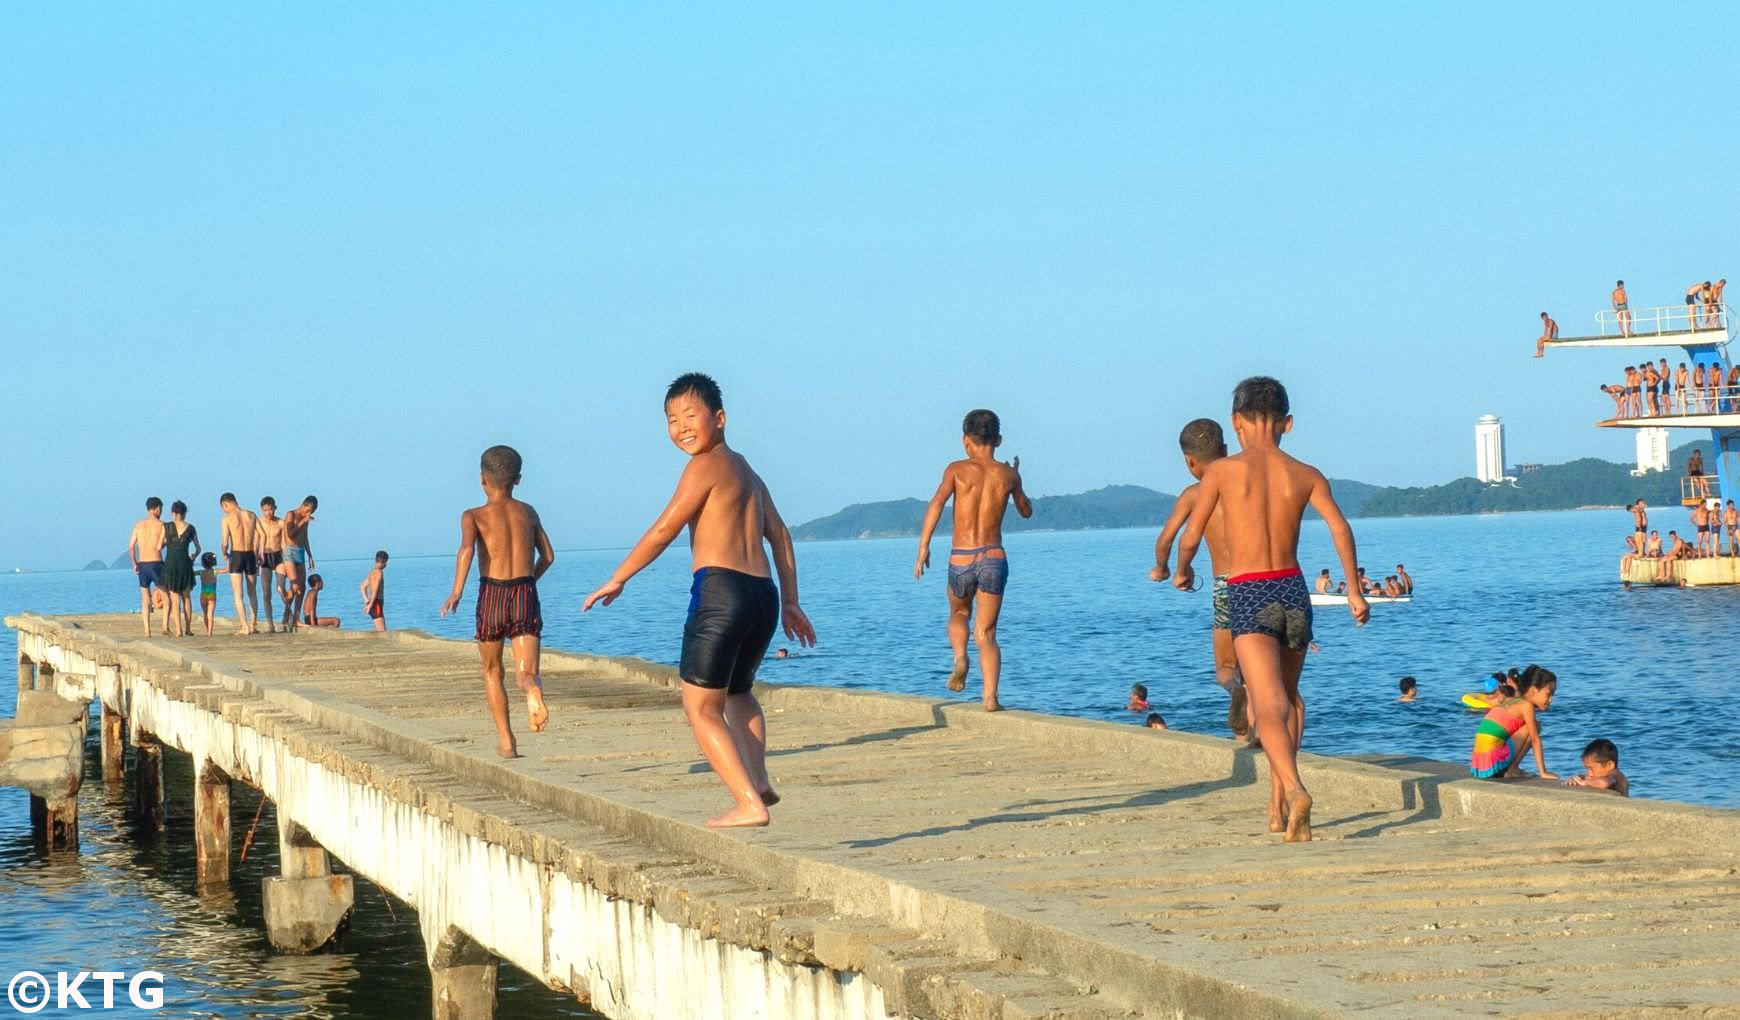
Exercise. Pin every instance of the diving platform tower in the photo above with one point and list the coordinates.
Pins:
(1702, 333)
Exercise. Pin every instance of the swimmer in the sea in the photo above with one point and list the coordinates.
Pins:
(1409, 687)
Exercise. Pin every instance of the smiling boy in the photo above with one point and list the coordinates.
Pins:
(734, 605)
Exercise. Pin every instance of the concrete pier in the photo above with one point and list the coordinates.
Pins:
(1699, 573)
(307, 906)
(928, 860)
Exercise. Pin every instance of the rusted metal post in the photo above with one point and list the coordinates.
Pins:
(211, 823)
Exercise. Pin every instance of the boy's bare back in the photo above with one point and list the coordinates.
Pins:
(982, 490)
(1214, 535)
(510, 535)
(726, 509)
(1262, 495)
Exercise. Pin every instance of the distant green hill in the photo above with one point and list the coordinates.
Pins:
(1581, 483)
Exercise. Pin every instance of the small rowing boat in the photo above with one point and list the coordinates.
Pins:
(1323, 598)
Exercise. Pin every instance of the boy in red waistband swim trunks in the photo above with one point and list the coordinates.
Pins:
(734, 606)
(514, 553)
(1262, 494)
(982, 488)
(374, 592)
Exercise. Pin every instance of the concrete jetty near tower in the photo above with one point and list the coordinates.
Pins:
(929, 859)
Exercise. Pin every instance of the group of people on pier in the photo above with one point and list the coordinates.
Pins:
(1650, 390)
(1708, 522)
(163, 554)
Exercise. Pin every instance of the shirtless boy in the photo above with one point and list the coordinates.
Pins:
(311, 605)
(1647, 371)
(1664, 377)
(734, 606)
(1404, 580)
(145, 549)
(513, 552)
(1640, 526)
(1549, 331)
(269, 546)
(1701, 522)
(299, 557)
(241, 534)
(1622, 307)
(1695, 295)
(1323, 581)
(1713, 304)
(1263, 493)
(982, 488)
(1731, 519)
(1203, 443)
(374, 592)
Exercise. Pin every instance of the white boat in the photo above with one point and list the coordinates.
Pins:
(1323, 598)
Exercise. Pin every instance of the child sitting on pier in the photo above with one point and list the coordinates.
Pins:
(1264, 493)
(311, 605)
(734, 606)
(513, 552)
(1601, 769)
(982, 488)
(1511, 728)
(208, 590)
(1138, 698)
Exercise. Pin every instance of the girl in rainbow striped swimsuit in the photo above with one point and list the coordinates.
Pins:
(1510, 728)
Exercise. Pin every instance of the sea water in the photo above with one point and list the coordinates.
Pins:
(1650, 669)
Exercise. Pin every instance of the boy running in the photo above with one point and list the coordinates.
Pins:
(982, 488)
(1203, 443)
(1264, 493)
(145, 548)
(239, 537)
(374, 592)
(515, 553)
(734, 606)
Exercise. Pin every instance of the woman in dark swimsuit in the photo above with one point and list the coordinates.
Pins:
(178, 537)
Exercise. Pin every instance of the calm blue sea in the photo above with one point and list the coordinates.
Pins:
(1650, 669)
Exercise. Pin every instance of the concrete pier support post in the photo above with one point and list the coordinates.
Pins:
(114, 728)
(306, 905)
(211, 822)
(44, 677)
(462, 973)
(26, 673)
(148, 781)
(55, 823)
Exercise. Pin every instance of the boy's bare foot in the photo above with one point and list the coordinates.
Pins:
(536, 710)
(768, 796)
(743, 816)
(1298, 819)
(1277, 811)
(993, 706)
(509, 751)
(1235, 713)
(958, 676)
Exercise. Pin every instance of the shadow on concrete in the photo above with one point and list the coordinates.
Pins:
(1421, 792)
(1244, 773)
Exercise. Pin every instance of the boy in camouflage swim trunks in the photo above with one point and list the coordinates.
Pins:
(1263, 493)
(1203, 443)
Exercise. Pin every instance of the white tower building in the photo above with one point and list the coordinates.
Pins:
(1489, 449)
(1652, 450)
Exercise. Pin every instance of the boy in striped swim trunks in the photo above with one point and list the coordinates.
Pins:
(513, 552)
(1203, 443)
(1264, 493)
(982, 488)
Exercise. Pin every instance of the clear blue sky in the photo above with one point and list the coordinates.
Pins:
(342, 248)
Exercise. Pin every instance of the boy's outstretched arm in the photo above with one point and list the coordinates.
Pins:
(462, 565)
(685, 503)
(1207, 498)
(1323, 501)
(1174, 524)
(546, 556)
(1022, 505)
(792, 617)
(933, 517)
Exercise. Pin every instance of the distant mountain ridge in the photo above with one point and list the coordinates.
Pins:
(1589, 482)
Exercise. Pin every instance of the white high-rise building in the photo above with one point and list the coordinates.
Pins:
(1652, 450)
(1489, 449)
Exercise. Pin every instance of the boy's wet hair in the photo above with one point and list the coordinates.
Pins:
(1406, 684)
(269, 501)
(1140, 691)
(982, 426)
(311, 503)
(1261, 398)
(1153, 717)
(178, 507)
(1203, 440)
(1602, 750)
(153, 503)
(381, 556)
(208, 561)
(501, 465)
(314, 581)
(228, 497)
(701, 385)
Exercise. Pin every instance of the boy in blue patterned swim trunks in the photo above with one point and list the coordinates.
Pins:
(982, 488)
(1203, 443)
(1263, 493)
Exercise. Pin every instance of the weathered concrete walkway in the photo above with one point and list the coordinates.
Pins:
(930, 859)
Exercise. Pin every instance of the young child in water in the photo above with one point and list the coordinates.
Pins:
(1511, 728)
(1601, 769)
(1410, 688)
(1138, 698)
(208, 590)
(982, 487)
(1155, 722)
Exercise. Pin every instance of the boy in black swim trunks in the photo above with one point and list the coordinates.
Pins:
(1263, 494)
(734, 606)
(513, 552)
(982, 488)
(1203, 443)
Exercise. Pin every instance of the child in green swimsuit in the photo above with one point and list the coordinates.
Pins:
(208, 590)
